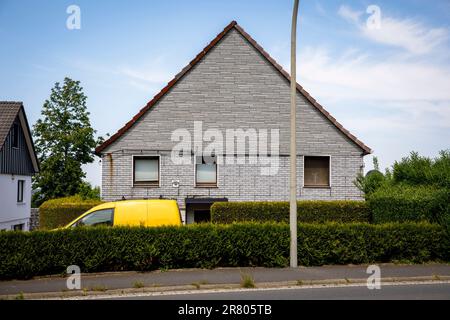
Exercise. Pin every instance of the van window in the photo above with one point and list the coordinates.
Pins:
(97, 218)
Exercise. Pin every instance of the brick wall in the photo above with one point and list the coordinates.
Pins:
(236, 182)
(34, 219)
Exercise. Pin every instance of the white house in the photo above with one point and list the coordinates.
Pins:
(18, 162)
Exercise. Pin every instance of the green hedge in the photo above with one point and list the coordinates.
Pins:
(24, 255)
(59, 212)
(308, 211)
(408, 203)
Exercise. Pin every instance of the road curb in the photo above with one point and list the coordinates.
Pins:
(197, 287)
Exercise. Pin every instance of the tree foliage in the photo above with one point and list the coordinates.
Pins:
(419, 170)
(86, 191)
(372, 180)
(64, 141)
(413, 170)
(417, 187)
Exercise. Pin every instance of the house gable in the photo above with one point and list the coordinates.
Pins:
(17, 154)
(233, 83)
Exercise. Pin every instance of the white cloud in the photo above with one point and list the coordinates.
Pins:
(356, 76)
(147, 75)
(349, 14)
(408, 34)
(150, 76)
(143, 75)
(320, 9)
(370, 97)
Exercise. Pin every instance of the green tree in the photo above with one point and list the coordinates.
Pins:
(420, 170)
(373, 180)
(86, 191)
(64, 141)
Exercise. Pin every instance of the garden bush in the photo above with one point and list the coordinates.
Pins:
(59, 212)
(28, 254)
(419, 170)
(399, 203)
(307, 211)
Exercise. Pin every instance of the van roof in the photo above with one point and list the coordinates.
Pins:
(143, 200)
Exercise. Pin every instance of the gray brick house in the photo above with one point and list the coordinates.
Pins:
(231, 84)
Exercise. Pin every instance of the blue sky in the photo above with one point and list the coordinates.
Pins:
(390, 86)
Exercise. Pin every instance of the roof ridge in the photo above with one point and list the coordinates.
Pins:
(232, 25)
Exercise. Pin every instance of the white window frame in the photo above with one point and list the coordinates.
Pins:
(195, 175)
(133, 185)
(329, 171)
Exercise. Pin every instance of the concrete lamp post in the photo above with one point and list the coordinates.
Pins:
(293, 142)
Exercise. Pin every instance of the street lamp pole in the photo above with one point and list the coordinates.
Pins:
(293, 149)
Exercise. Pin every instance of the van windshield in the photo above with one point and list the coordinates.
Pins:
(102, 217)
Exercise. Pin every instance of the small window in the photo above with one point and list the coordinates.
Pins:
(20, 187)
(206, 171)
(97, 218)
(15, 135)
(317, 171)
(18, 227)
(146, 171)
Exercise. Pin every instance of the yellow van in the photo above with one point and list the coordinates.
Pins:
(145, 213)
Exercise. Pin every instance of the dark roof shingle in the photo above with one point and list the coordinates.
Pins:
(8, 113)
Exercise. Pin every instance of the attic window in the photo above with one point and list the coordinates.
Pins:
(15, 136)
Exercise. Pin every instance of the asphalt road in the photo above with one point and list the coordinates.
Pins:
(440, 291)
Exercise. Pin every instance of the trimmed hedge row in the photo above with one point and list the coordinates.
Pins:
(24, 255)
(307, 211)
(59, 212)
(402, 203)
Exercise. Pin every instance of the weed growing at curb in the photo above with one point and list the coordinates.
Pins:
(247, 281)
(138, 284)
(100, 288)
(19, 296)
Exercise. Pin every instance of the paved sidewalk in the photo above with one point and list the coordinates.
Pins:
(196, 278)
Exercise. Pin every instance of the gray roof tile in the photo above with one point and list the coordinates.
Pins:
(8, 113)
